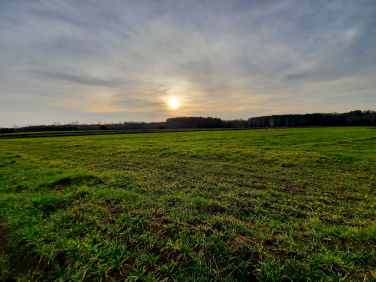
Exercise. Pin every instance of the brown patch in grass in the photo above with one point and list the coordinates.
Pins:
(160, 218)
(68, 181)
(123, 272)
(4, 234)
(206, 229)
(113, 207)
(241, 240)
(256, 186)
(365, 276)
(292, 188)
(62, 184)
(370, 276)
(214, 208)
(28, 266)
(270, 242)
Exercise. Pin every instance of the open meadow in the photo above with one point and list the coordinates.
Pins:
(273, 204)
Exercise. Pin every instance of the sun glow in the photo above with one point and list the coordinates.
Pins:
(174, 103)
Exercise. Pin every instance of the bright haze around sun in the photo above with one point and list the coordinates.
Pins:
(116, 61)
(174, 103)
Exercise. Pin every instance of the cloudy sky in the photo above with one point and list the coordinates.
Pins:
(112, 61)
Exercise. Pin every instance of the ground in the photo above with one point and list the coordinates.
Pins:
(268, 204)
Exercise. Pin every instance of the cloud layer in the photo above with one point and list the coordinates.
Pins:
(123, 60)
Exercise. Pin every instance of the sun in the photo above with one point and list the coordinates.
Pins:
(174, 103)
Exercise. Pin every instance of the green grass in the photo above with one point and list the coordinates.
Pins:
(271, 205)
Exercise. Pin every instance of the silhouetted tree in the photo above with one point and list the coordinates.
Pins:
(317, 119)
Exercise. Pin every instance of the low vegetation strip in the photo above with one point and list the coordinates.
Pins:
(244, 205)
(107, 132)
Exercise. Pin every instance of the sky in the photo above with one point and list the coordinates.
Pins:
(116, 61)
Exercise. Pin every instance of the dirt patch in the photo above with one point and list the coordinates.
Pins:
(62, 184)
(119, 274)
(25, 267)
(114, 207)
(241, 240)
(68, 181)
(290, 187)
(4, 234)
(30, 267)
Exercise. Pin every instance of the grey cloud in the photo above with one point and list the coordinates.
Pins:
(76, 78)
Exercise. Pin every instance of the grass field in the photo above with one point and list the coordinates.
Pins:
(274, 204)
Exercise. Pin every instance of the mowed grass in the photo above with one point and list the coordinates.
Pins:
(274, 204)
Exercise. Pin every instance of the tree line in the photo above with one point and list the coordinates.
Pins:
(353, 118)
